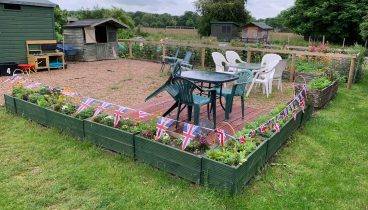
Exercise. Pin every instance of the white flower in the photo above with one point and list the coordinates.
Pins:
(64, 107)
(109, 118)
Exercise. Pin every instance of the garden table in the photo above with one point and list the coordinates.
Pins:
(249, 66)
(212, 78)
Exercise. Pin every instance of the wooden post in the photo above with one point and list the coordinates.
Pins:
(288, 40)
(343, 43)
(163, 52)
(130, 49)
(249, 56)
(310, 40)
(203, 57)
(351, 73)
(293, 67)
(323, 41)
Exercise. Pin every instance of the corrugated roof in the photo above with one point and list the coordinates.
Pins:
(262, 25)
(94, 23)
(39, 3)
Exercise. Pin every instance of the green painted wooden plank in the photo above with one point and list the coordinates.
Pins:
(65, 123)
(111, 138)
(31, 111)
(10, 104)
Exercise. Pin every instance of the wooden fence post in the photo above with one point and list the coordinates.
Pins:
(130, 49)
(343, 43)
(249, 55)
(293, 67)
(163, 52)
(351, 73)
(323, 41)
(203, 57)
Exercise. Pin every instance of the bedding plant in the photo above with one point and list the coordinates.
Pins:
(235, 153)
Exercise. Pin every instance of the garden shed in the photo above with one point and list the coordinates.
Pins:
(95, 39)
(22, 20)
(256, 32)
(224, 31)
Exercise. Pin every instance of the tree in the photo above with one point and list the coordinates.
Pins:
(98, 12)
(220, 10)
(61, 18)
(334, 19)
(364, 28)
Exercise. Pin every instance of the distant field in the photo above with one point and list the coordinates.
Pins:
(287, 39)
(182, 31)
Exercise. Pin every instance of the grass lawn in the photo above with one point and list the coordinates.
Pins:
(324, 167)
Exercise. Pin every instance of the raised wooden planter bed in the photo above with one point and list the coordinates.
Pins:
(10, 104)
(169, 159)
(229, 178)
(307, 115)
(67, 124)
(31, 111)
(278, 139)
(322, 97)
(108, 137)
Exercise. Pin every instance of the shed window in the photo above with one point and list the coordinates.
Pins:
(12, 6)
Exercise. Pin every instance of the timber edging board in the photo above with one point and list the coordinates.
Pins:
(197, 169)
(10, 104)
(110, 138)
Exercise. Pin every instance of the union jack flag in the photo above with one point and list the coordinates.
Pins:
(286, 112)
(12, 79)
(85, 104)
(221, 136)
(301, 101)
(293, 109)
(252, 133)
(117, 114)
(189, 133)
(33, 85)
(162, 125)
(66, 93)
(263, 128)
(103, 106)
(276, 127)
(142, 114)
(242, 140)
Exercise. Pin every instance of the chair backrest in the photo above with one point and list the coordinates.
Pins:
(269, 69)
(280, 68)
(176, 72)
(219, 61)
(245, 77)
(187, 56)
(268, 58)
(232, 57)
(185, 89)
(177, 53)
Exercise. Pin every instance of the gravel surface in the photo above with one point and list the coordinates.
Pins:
(127, 82)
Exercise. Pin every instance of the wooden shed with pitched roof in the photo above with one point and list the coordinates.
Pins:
(256, 32)
(95, 39)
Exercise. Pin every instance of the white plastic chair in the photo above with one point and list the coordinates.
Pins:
(264, 77)
(233, 57)
(279, 69)
(268, 58)
(219, 61)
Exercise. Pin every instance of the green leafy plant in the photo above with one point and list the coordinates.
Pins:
(86, 113)
(233, 154)
(319, 83)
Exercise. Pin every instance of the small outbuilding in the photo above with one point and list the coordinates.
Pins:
(94, 39)
(225, 31)
(22, 20)
(256, 32)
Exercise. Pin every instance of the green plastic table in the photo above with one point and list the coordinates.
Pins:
(249, 66)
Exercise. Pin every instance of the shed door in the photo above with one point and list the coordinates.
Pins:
(102, 51)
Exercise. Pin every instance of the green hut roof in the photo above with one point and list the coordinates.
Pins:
(39, 3)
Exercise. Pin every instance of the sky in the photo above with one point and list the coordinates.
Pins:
(257, 8)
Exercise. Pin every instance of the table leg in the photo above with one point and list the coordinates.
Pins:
(213, 102)
(222, 105)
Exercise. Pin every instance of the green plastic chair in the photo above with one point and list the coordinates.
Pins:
(239, 89)
(188, 98)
